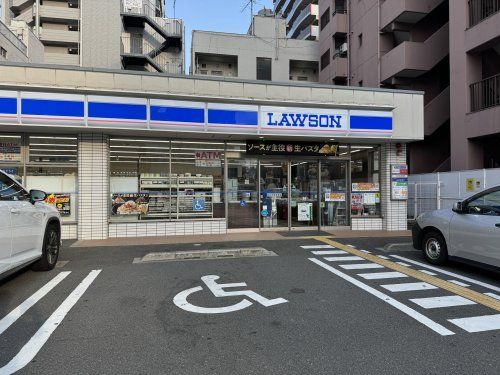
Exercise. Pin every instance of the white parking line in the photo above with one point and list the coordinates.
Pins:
(408, 287)
(478, 323)
(360, 266)
(33, 346)
(436, 327)
(493, 295)
(365, 251)
(428, 272)
(342, 259)
(382, 275)
(19, 311)
(464, 278)
(459, 283)
(403, 264)
(328, 252)
(307, 247)
(383, 257)
(444, 301)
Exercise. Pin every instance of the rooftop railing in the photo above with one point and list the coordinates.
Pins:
(485, 93)
(482, 9)
(171, 26)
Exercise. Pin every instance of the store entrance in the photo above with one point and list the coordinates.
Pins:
(298, 194)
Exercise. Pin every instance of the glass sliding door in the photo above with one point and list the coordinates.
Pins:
(334, 193)
(242, 193)
(304, 193)
(273, 194)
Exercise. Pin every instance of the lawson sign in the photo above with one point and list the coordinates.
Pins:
(307, 120)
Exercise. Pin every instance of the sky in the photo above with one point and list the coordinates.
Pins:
(213, 15)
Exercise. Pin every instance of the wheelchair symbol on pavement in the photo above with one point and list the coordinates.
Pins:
(180, 300)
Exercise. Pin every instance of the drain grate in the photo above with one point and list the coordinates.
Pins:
(204, 254)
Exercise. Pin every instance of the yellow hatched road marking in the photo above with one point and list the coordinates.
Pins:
(453, 288)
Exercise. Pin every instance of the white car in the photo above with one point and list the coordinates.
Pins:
(30, 230)
(470, 232)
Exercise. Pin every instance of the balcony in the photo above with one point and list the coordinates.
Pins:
(339, 23)
(53, 13)
(405, 11)
(437, 112)
(295, 12)
(59, 36)
(479, 10)
(21, 4)
(286, 7)
(484, 119)
(278, 5)
(61, 59)
(309, 33)
(308, 15)
(412, 59)
(485, 94)
(484, 34)
(339, 67)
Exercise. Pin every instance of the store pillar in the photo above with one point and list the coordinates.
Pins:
(394, 212)
(93, 180)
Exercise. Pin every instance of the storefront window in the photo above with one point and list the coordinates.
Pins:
(365, 181)
(334, 192)
(11, 155)
(155, 179)
(242, 187)
(52, 167)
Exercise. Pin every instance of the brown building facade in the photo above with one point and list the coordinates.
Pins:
(449, 49)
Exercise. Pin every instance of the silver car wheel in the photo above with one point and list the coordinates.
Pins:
(433, 248)
(52, 247)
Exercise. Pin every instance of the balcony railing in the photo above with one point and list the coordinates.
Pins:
(482, 9)
(171, 26)
(485, 94)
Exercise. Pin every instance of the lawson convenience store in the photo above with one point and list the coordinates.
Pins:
(123, 162)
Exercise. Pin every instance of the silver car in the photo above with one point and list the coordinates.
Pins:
(469, 232)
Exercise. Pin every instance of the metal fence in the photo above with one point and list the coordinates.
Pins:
(485, 93)
(171, 26)
(481, 9)
(422, 197)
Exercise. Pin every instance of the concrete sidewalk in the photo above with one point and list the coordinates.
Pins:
(233, 237)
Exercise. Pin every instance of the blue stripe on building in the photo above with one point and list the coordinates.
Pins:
(8, 106)
(118, 111)
(45, 107)
(371, 123)
(177, 114)
(233, 117)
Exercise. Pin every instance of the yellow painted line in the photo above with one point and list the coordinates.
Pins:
(479, 298)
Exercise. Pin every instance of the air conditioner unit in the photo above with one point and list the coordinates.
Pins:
(343, 48)
(73, 51)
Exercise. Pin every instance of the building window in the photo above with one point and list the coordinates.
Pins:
(156, 179)
(217, 72)
(264, 67)
(325, 18)
(360, 83)
(365, 181)
(325, 59)
(360, 39)
(3, 52)
(52, 167)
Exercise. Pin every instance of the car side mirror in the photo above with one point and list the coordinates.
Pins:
(37, 196)
(458, 207)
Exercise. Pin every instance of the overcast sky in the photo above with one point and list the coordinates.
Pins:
(213, 15)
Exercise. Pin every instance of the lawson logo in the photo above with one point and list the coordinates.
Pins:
(304, 119)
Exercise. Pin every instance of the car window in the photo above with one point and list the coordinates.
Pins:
(488, 204)
(10, 191)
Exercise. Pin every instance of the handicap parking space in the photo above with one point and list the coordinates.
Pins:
(292, 316)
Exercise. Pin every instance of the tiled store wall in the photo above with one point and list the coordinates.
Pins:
(93, 180)
(394, 213)
(69, 232)
(366, 224)
(167, 228)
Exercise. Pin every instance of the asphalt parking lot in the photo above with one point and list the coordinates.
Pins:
(118, 310)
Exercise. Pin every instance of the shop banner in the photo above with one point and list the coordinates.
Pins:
(292, 148)
(335, 197)
(366, 186)
(399, 182)
(357, 202)
(208, 159)
(130, 204)
(10, 151)
(62, 202)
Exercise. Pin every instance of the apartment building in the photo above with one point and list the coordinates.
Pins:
(264, 53)
(301, 17)
(450, 50)
(127, 34)
(19, 44)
